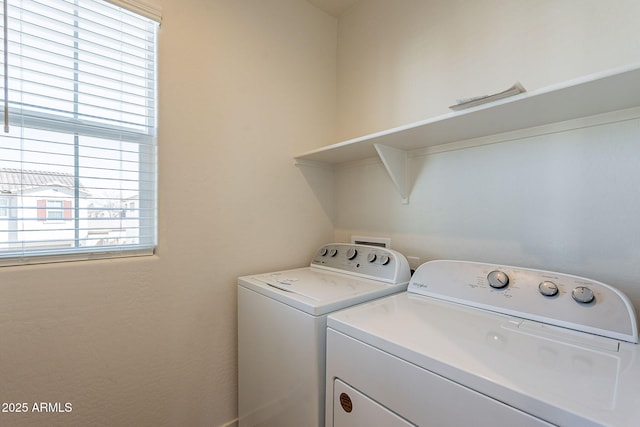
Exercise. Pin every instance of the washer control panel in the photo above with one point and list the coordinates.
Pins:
(559, 299)
(371, 262)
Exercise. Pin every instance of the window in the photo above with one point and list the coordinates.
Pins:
(4, 207)
(54, 210)
(79, 145)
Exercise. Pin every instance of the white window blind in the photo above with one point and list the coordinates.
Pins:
(78, 155)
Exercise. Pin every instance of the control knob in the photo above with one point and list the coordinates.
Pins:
(548, 289)
(582, 294)
(498, 279)
(385, 259)
(323, 252)
(372, 257)
(333, 252)
(352, 253)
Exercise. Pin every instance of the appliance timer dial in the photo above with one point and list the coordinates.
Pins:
(384, 259)
(582, 294)
(372, 257)
(498, 279)
(548, 289)
(351, 253)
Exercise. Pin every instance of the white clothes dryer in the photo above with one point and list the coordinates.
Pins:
(282, 320)
(473, 344)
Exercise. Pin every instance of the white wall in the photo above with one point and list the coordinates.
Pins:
(244, 85)
(566, 201)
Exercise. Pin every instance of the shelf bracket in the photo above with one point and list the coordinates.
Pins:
(396, 162)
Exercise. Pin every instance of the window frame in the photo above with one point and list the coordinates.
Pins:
(54, 210)
(69, 209)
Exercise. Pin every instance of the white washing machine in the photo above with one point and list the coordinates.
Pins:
(282, 320)
(475, 344)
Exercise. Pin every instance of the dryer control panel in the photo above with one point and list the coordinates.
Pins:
(554, 298)
(370, 262)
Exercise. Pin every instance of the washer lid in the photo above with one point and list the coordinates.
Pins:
(316, 291)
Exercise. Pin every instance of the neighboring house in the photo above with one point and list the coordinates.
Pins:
(117, 222)
(41, 210)
(37, 209)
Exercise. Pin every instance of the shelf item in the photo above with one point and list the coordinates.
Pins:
(599, 93)
(463, 104)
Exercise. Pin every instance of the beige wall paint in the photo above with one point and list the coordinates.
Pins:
(244, 85)
(565, 201)
(407, 60)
